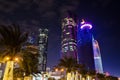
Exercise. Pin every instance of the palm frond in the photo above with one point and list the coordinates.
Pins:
(12, 38)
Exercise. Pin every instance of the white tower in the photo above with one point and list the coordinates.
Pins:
(97, 56)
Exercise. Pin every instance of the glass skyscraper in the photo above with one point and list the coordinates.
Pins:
(42, 45)
(69, 37)
(84, 44)
(97, 56)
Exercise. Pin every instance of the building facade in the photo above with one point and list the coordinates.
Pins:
(84, 43)
(43, 44)
(97, 57)
(69, 37)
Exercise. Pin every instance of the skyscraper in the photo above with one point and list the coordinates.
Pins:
(84, 43)
(97, 56)
(69, 36)
(43, 43)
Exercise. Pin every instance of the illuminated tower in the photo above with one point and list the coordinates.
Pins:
(69, 35)
(84, 42)
(97, 57)
(31, 39)
(43, 43)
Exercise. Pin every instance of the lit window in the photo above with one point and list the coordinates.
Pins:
(70, 26)
(65, 49)
(42, 34)
(71, 43)
(65, 44)
(71, 48)
(68, 33)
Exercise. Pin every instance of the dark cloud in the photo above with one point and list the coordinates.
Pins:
(101, 3)
(25, 1)
(5, 22)
(29, 25)
(68, 5)
(44, 5)
(35, 22)
(8, 6)
(49, 16)
(46, 8)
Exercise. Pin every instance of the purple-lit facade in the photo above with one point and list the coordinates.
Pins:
(84, 43)
(69, 37)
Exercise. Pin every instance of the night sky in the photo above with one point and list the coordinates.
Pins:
(103, 14)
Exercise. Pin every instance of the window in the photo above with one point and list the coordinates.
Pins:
(65, 49)
(70, 26)
(68, 33)
(71, 48)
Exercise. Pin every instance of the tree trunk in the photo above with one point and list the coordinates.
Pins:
(8, 74)
(69, 75)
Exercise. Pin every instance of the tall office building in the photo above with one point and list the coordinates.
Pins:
(43, 43)
(97, 56)
(84, 42)
(69, 35)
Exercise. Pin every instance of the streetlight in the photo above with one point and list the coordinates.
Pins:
(62, 70)
(56, 69)
(16, 59)
(7, 58)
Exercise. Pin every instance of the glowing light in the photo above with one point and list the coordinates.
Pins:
(83, 21)
(118, 78)
(16, 59)
(7, 58)
(86, 26)
(56, 69)
(62, 70)
(68, 33)
(107, 74)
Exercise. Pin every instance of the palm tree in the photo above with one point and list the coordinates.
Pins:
(11, 41)
(110, 77)
(82, 71)
(18, 73)
(91, 74)
(29, 63)
(100, 76)
(70, 64)
(30, 60)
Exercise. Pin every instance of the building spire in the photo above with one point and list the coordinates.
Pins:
(83, 21)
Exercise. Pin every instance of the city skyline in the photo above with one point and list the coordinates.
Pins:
(34, 14)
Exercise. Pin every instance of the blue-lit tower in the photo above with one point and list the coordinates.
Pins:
(31, 39)
(97, 56)
(84, 43)
(69, 37)
(43, 45)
